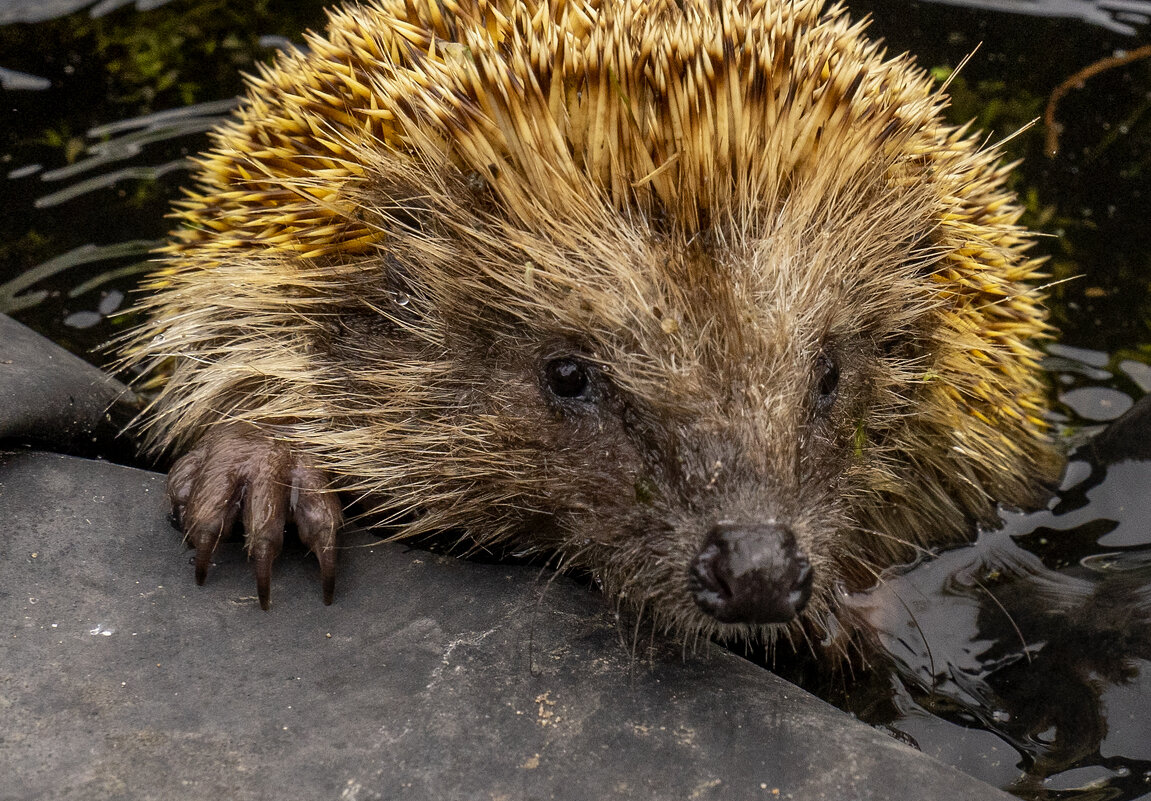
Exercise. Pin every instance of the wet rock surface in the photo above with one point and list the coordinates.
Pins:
(429, 678)
(52, 399)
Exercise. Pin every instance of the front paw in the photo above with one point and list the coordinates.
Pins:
(236, 470)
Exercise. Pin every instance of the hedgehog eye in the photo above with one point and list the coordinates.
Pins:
(568, 378)
(828, 387)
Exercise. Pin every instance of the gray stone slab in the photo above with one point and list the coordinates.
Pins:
(55, 400)
(429, 678)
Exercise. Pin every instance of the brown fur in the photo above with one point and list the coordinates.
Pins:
(705, 205)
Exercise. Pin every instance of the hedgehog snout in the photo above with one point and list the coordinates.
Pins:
(750, 573)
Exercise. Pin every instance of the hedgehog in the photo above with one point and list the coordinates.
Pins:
(704, 300)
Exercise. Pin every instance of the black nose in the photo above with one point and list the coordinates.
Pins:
(750, 574)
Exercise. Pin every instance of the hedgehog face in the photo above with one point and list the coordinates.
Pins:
(692, 415)
(699, 458)
(714, 518)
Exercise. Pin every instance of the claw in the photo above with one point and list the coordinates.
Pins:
(328, 575)
(206, 522)
(203, 559)
(262, 557)
(318, 518)
(236, 471)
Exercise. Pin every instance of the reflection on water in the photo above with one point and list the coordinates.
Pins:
(11, 299)
(105, 109)
(1039, 634)
(104, 162)
(124, 141)
(1121, 16)
(41, 10)
(14, 81)
(112, 144)
(989, 636)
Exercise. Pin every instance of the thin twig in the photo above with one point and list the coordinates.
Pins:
(1051, 142)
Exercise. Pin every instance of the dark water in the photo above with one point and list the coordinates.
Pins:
(1023, 659)
(94, 154)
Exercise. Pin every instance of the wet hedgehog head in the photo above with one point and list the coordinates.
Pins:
(702, 297)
